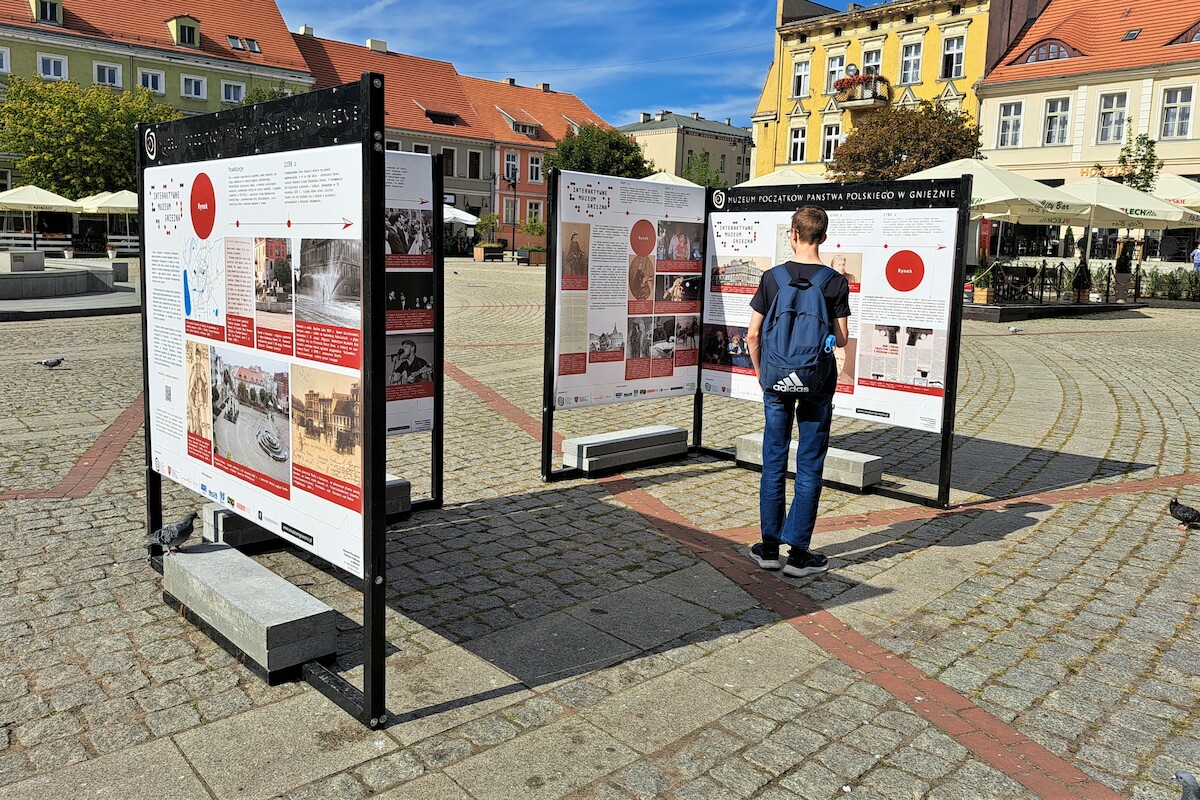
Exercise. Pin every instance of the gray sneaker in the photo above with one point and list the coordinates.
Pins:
(765, 555)
(805, 562)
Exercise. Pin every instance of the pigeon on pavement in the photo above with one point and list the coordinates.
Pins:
(1013, 329)
(1186, 515)
(171, 536)
(1191, 790)
(51, 363)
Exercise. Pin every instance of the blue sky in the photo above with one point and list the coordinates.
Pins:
(708, 56)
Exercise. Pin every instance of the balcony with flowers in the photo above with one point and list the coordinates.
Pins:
(862, 91)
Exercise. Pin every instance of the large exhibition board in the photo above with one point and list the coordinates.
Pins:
(408, 246)
(897, 244)
(627, 289)
(253, 305)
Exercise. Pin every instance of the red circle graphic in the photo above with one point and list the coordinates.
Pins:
(202, 206)
(905, 270)
(642, 237)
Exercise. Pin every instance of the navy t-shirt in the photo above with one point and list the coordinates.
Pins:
(836, 291)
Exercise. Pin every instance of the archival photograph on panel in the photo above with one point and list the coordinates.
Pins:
(327, 423)
(199, 399)
(329, 282)
(409, 231)
(410, 358)
(250, 402)
(273, 284)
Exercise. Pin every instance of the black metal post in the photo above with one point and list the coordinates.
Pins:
(437, 461)
(374, 380)
(950, 399)
(153, 479)
(548, 365)
(512, 184)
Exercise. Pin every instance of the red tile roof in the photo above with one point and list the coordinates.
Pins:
(1096, 28)
(410, 85)
(552, 112)
(136, 22)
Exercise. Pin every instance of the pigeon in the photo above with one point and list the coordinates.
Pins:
(51, 363)
(169, 537)
(1013, 329)
(1191, 790)
(1186, 515)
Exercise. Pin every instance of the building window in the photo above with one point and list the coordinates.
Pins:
(5, 180)
(910, 63)
(474, 164)
(1049, 51)
(800, 80)
(152, 80)
(952, 57)
(193, 88)
(1112, 119)
(232, 92)
(833, 137)
(535, 168)
(1131, 35)
(1058, 111)
(4, 60)
(837, 68)
(535, 211)
(796, 148)
(107, 74)
(52, 68)
(510, 166)
(392, 146)
(1177, 113)
(448, 155)
(187, 35)
(420, 148)
(872, 61)
(252, 46)
(48, 11)
(510, 211)
(722, 168)
(1010, 125)
(235, 43)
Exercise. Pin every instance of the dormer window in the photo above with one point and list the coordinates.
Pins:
(528, 130)
(49, 11)
(185, 31)
(438, 118)
(1048, 50)
(1189, 36)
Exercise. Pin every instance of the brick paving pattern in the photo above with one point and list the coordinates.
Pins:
(608, 638)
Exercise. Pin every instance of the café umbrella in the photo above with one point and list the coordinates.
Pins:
(784, 176)
(1115, 205)
(33, 199)
(666, 177)
(1000, 194)
(1177, 190)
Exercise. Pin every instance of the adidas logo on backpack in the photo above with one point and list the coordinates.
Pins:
(790, 384)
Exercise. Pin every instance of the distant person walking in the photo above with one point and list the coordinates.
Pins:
(807, 399)
(1196, 257)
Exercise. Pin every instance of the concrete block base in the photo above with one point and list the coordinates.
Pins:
(398, 492)
(607, 451)
(223, 526)
(275, 624)
(843, 468)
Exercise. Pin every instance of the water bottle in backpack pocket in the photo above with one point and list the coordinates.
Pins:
(796, 356)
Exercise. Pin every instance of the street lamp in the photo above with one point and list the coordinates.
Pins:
(511, 180)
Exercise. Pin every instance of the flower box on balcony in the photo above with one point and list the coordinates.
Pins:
(863, 91)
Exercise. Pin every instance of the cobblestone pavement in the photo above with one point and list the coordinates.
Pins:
(605, 639)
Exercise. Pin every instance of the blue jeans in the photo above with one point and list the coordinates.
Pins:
(813, 417)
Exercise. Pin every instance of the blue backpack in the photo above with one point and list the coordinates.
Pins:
(797, 339)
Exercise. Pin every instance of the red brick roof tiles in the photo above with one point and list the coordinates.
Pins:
(410, 85)
(552, 112)
(1096, 28)
(136, 22)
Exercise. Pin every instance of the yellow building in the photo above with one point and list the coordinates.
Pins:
(831, 68)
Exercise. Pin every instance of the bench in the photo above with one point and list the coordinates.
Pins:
(249, 610)
(493, 255)
(608, 451)
(844, 469)
(523, 257)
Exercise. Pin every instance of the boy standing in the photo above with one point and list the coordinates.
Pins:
(811, 409)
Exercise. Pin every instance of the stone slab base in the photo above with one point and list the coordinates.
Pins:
(856, 471)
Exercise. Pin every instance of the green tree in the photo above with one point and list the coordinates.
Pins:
(699, 170)
(265, 94)
(1140, 163)
(75, 141)
(283, 273)
(601, 151)
(242, 392)
(893, 142)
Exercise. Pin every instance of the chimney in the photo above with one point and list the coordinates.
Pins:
(545, 87)
(663, 114)
(695, 115)
(728, 121)
(510, 81)
(305, 30)
(647, 116)
(377, 45)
